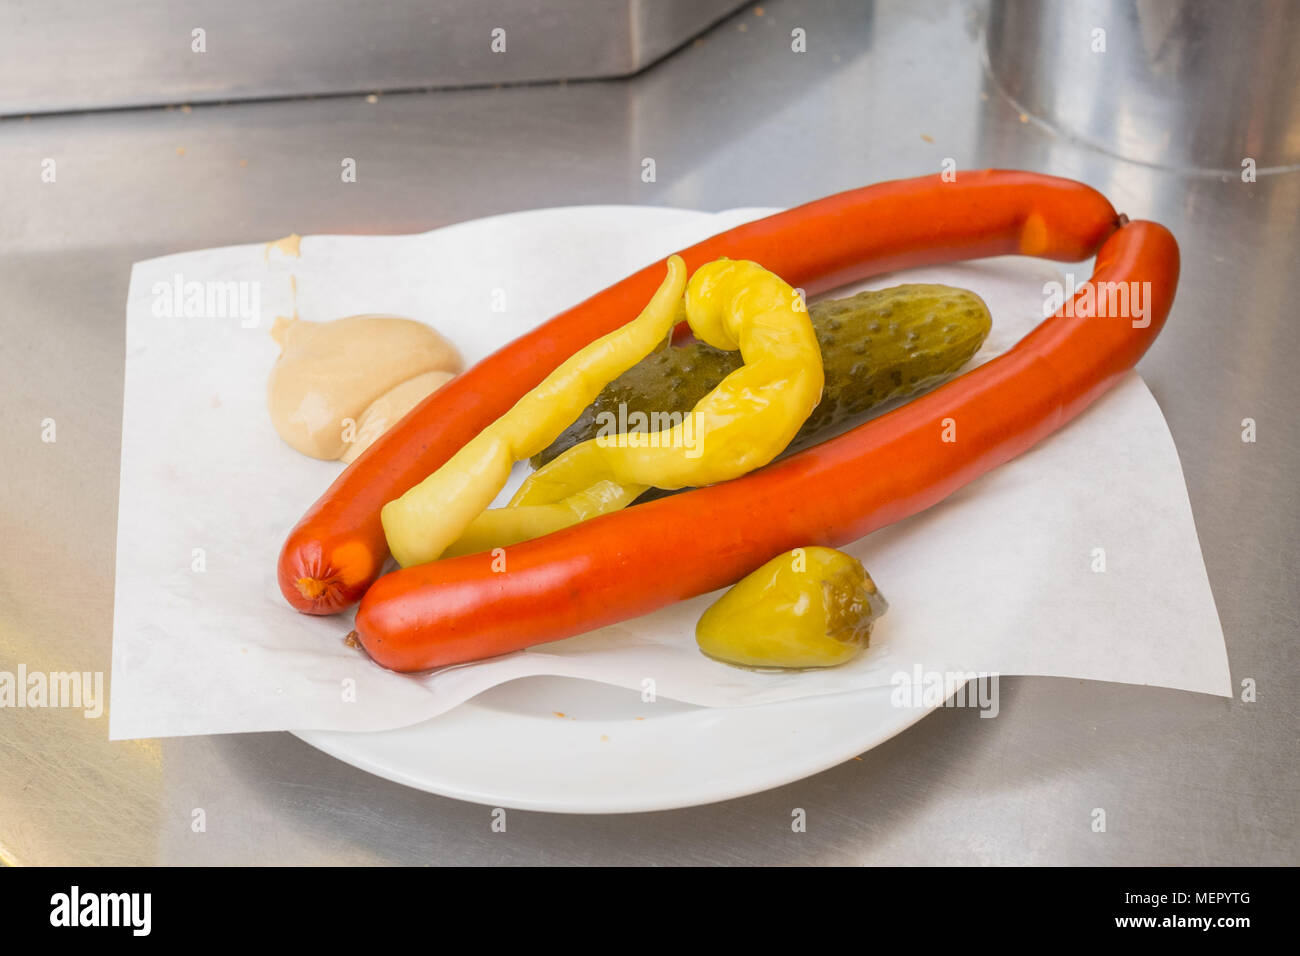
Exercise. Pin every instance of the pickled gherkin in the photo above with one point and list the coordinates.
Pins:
(876, 346)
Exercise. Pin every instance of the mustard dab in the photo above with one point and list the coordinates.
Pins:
(810, 607)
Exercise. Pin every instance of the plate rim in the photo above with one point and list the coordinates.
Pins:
(333, 743)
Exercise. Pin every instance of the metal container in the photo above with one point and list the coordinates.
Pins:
(59, 55)
(1189, 84)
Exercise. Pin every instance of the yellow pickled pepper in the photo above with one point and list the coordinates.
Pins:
(743, 423)
(426, 519)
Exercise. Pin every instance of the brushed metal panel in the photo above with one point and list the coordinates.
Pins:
(60, 55)
(1193, 84)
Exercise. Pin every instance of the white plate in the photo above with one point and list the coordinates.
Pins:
(218, 652)
(610, 752)
(570, 746)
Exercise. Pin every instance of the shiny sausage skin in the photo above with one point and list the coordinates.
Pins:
(338, 548)
(635, 561)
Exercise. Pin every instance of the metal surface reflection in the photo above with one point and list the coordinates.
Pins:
(1188, 84)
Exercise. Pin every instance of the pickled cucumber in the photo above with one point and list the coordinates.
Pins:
(876, 346)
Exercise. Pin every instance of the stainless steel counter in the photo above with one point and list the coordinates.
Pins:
(734, 119)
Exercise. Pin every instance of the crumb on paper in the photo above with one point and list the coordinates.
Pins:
(927, 137)
(1024, 117)
(185, 108)
(372, 98)
(243, 162)
(558, 713)
(758, 11)
(352, 639)
(180, 150)
(290, 245)
(604, 738)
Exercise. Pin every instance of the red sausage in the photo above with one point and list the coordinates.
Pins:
(338, 548)
(632, 562)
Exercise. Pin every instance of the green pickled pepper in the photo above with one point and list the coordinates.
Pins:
(810, 607)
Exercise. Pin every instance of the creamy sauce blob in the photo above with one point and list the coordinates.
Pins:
(337, 386)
